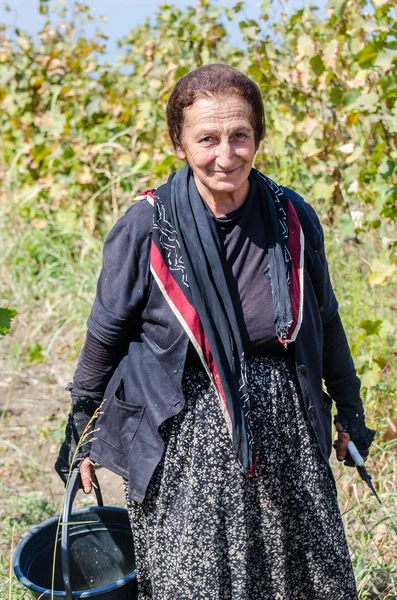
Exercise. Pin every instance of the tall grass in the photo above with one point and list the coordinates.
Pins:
(371, 528)
(49, 274)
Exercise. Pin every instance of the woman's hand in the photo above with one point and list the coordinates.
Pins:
(80, 425)
(341, 443)
(86, 473)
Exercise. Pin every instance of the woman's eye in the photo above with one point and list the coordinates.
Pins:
(207, 138)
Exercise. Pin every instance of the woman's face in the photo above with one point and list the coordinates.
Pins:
(219, 144)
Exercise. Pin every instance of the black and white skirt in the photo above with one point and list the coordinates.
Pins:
(207, 531)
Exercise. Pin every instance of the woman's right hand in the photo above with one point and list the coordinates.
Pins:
(86, 473)
(78, 435)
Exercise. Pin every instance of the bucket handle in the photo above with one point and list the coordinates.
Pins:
(71, 491)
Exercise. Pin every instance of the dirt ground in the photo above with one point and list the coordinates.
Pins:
(33, 409)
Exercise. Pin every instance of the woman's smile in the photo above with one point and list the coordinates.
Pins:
(223, 171)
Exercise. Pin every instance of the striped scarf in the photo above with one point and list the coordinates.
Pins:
(186, 263)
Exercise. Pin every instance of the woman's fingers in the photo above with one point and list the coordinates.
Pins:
(86, 473)
(342, 442)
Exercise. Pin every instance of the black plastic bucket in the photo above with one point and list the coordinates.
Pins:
(94, 558)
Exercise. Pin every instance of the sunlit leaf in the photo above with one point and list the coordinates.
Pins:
(338, 6)
(346, 148)
(370, 377)
(6, 316)
(311, 147)
(371, 327)
(367, 102)
(306, 46)
(141, 163)
(336, 96)
(381, 271)
(317, 65)
(367, 56)
(385, 58)
(330, 54)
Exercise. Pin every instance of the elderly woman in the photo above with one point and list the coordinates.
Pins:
(212, 329)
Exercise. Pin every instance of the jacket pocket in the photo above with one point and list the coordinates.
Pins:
(119, 421)
(327, 410)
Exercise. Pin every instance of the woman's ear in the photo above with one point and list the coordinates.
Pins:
(179, 151)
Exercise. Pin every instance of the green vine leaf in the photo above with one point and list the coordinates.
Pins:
(371, 327)
(6, 316)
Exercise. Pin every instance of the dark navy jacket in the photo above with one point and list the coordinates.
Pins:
(145, 388)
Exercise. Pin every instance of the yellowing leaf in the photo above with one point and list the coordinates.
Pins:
(67, 219)
(141, 163)
(385, 58)
(39, 223)
(370, 377)
(380, 272)
(306, 46)
(155, 83)
(353, 189)
(338, 6)
(356, 215)
(310, 148)
(23, 42)
(324, 190)
(85, 176)
(346, 148)
(357, 152)
(367, 102)
(124, 160)
(330, 54)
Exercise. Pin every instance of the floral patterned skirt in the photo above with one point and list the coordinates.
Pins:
(207, 531)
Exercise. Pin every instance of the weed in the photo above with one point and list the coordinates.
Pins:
(19, 513)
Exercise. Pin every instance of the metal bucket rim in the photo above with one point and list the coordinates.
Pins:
(59, 593)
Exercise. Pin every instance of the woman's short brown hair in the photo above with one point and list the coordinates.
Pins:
(216, 79)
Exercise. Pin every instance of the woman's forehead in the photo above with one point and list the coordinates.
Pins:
(218, 111)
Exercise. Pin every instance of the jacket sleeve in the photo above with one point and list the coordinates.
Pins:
(97, 363)
(124, 279)
(343, 385)
(339, 373)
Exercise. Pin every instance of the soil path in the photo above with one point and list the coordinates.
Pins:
(33, 411)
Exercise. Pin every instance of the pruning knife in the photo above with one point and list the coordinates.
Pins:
(362, 471)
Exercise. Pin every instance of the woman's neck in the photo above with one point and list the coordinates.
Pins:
(223, 203)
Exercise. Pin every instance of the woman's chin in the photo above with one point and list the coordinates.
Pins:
(226, 184)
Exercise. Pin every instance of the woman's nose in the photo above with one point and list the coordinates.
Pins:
(225, 154)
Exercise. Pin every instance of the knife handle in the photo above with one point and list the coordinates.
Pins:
(354, 453)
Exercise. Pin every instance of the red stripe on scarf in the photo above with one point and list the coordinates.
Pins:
(188, 313)
(294, 247)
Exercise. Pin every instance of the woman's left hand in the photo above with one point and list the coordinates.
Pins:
(341, 443)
